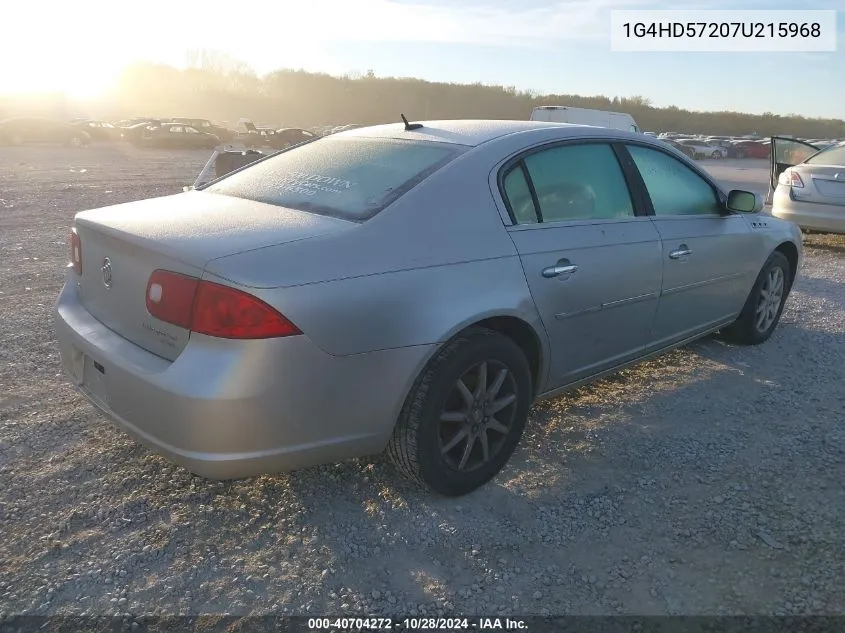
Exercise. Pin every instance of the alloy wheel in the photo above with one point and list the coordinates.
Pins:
(768, 303)
(478, 416)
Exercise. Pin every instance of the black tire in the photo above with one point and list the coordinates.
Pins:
(747, 330)
(716, 155)
(416, 447)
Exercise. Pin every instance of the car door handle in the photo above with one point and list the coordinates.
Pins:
(560, 269)
(681, 252)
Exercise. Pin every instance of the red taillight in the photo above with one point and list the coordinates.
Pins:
(75, 252)
(213, 309)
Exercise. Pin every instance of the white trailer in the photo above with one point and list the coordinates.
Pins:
(585, 116)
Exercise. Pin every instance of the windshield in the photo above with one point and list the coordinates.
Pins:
(350, 178)
(834, 155)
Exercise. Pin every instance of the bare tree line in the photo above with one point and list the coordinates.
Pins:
(217, 86)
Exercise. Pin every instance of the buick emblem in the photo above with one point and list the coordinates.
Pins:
(106, 270)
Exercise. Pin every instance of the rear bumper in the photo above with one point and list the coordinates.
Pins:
(827, 218)
(229, 409)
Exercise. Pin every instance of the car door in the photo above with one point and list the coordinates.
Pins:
(592, 263)
(709, 255)
(786, 153)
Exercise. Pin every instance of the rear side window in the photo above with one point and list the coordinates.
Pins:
(518, 195)
(348, 178)
(579, 182)
(832, 156)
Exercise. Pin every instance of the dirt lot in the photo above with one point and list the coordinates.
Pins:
(708, 481)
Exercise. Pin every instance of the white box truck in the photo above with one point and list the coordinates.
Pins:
(585, 116)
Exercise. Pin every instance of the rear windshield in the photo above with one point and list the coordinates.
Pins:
(350, 178)
(831, 156)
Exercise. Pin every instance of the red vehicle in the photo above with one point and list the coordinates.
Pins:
(754, 149)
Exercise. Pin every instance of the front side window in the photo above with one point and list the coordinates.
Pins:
(579, 182)
(674, 188)
(350, 178)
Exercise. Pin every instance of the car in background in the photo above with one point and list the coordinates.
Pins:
(809, 184)
(727, 144)
(99, 130)
(127, 123)
(703, 149)
(204, 125)
(754, 149)
(685, 149)
(237, 329)
(289, 136)
(37, 130)
(170, 136)
(254, 136)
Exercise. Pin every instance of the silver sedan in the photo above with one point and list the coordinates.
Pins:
(808, 181)
(409, 288)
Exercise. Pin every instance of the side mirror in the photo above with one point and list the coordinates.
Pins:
(744, 201)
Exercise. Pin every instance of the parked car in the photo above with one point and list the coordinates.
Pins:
(36, 130)
(127, 123)
(809, 185)
(685, 149)
(243, 332)
(99, 130)
(754, 149)
(252, 136)
(704, 150)
(288, 136)
(204, 125)
(170, 136)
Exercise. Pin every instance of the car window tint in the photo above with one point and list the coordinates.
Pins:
(832, 156)
(674, 188)
(518, 196)
(352, 178)
(579, 182)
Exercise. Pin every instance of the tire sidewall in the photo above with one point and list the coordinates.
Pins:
(434, 470)
(776, 260)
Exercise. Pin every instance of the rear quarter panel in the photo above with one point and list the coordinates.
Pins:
(437, 260)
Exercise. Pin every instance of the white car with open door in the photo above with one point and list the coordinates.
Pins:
(809, 184)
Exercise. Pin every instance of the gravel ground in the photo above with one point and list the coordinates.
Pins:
(708, 481)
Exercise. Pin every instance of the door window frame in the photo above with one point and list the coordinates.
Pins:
(630, 175)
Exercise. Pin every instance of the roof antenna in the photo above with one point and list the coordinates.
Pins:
(410, 126)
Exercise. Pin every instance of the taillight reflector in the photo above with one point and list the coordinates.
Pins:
(76, 252)
(170, 297)
(213, 309)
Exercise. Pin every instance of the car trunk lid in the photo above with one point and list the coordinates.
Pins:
(823, 184)
(122, 245)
